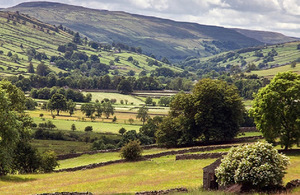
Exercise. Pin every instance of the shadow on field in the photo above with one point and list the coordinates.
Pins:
(15, 179)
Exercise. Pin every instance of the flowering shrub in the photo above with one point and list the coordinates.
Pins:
(256, 165)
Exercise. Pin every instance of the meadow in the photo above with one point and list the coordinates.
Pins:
(156, 174)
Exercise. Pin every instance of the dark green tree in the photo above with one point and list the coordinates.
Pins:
(71, 107)
(276, 109)
(30, 68)
(58, 102)
(88, 109)
(213, 111)
(125, 86)
(108, 109)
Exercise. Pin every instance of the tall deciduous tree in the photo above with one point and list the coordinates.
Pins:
(58, 102)
(276, 109)
(213, 112)
(88, 109)
(108, 109)
(71, 107)
(143, 114)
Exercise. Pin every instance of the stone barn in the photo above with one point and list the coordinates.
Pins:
(209, 177)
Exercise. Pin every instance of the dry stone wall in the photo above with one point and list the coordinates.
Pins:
(181, 190)
(200, 156)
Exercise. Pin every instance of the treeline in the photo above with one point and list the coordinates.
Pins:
(70, 94)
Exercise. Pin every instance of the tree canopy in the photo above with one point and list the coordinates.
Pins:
(58, 102)
(213, 111)
(276, 109)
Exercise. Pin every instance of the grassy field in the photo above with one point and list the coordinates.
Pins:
(61, 147)
(157, 174)
(270, 73)
(161, 173)
(98, 127)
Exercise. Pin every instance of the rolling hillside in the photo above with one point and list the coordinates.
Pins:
(247, 59)
(161, 37)
(19, 33)
(266, 37)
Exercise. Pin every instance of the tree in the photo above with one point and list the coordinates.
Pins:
(57, 102)
(108, 109)
(213, 111)
(276, 109)
(30, 68)
(143, 114)
(148, 101)
(125, 86)
(76, 38)
(165, 101)
(122, 130)
(256, 166)
(88, 109)
(14, 125)
(132, 151)
(71, 107)
(99, 110)
(48, 161)
(73, 127)
(42, 69)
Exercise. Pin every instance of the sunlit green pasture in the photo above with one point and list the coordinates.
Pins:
(99, 127)
(272, 72)
(157, 174)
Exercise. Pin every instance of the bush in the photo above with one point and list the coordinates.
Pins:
(132, 151)
(256, 166)
(88, 128)
(48, 162)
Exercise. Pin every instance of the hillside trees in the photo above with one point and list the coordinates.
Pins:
(213, 111)
(276, 109)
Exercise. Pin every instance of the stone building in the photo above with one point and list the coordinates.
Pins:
(209, 177)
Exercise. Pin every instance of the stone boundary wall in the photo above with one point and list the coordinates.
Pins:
(90, 166)
(74, 155)
(200, 156)
(162, 191)
(145, 157)
(195, 149)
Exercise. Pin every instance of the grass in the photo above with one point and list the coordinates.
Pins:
(61, 147)
(157, 174)
(98, 127)
(270, 73)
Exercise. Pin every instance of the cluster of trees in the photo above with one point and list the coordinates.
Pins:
(105, 107)
(70, 94)
(16, 153)
(213, 111)
(77, 81)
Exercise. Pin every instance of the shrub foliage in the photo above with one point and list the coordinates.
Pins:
(132, 151)
(258, 166)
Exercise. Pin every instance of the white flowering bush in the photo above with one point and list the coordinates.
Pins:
(256, 165)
